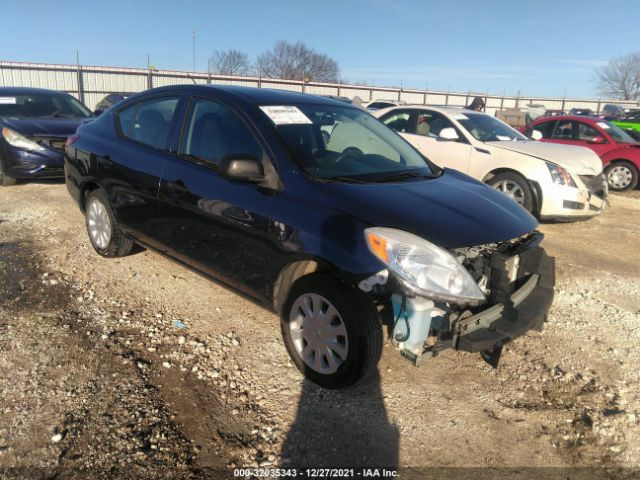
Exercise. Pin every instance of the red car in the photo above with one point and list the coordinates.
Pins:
(619, 152)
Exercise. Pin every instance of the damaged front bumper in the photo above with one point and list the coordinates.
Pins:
(521, 305)
(519, 283)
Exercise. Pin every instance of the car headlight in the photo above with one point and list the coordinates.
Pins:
(425, 268)
(559, 175)
(15, 139)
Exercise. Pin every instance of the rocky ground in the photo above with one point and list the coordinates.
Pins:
(138, 368)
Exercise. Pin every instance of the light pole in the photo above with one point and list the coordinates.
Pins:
(193, 33)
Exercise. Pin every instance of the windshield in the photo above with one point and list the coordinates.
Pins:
(347, 144)
(619, 135)
(42, 105)
(487, 128)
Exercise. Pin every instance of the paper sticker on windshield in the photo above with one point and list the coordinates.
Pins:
(286, 115)
(503, 138)
(460, 116)
(602, 125)
(7, 100)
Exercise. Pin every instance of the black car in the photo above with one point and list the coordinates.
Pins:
(337, 237)
(35, 124)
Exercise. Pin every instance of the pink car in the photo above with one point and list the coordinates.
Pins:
(619, 153)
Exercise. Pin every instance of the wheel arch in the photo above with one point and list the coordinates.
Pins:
(293, 272)
(87, 188)
(536, 189)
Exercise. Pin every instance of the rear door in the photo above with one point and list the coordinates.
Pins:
(132, 170)
(207, 221)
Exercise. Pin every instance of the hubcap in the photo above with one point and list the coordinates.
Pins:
(619, 177)
(98, 223)
(511, 189)
(318, 333)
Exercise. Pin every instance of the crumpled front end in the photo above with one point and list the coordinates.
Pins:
(517, 278)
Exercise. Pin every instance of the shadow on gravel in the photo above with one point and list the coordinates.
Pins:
(342, 428)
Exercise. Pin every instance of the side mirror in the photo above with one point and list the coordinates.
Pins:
(245, 168)
(597, 140)
(536, 135)
(448, 133)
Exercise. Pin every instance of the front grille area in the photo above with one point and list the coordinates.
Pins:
(57, 143)
(596, 184)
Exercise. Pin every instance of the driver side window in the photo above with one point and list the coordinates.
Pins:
(430, 124)
(398, 121)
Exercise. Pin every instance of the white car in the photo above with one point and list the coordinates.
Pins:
(552, 181)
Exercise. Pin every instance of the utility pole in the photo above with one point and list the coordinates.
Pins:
(193, 33)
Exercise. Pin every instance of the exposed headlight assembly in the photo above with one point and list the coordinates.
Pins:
(426, 269)
(15, 139)
(559, 175)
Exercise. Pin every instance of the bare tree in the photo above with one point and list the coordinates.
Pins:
(296, 61)
(620, 78)
(230, 62)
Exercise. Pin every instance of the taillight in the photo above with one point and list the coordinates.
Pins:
(72, 139)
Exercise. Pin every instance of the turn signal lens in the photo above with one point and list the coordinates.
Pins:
(378, 246)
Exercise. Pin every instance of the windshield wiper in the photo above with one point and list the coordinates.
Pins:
(345, 179)
(403, 176)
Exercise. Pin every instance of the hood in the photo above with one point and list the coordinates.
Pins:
(55, 127)
(450, 211)
(579, 160)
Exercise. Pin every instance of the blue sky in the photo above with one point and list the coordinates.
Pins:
(542, 47)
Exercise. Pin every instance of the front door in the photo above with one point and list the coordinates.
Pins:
(454, 154)
(216, 225)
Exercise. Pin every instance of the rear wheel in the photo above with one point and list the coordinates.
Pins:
(515, 187)
(622, 176)
(6, 180)
(103, 229)
(332, 333)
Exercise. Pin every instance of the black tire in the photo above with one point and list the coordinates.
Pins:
(527, 195)
(6, 180)
(363, 326)
(632, 171)
(118, 245)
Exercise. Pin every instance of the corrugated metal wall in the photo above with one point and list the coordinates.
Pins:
(91, 84)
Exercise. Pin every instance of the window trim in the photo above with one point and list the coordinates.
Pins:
(121, 134)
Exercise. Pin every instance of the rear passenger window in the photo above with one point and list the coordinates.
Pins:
(214, 131)
(148, 122)
(544, 128)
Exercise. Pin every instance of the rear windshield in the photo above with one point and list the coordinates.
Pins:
(343, 143)
(42, 105)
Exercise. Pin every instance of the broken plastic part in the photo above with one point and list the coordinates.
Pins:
(379, 278)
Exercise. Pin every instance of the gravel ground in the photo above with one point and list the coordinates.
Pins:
(139, 368)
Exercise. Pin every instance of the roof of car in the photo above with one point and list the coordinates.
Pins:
(439, 108)
(25, 90)
(261, 96)
(587, 118)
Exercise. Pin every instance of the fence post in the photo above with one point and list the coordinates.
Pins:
(371, 94)
(502, 102)
(598, 108)
(562, 107)
(424, 98)
(80, 83)
(150, 79)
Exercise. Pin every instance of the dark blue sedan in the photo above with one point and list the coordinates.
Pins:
(34, 126)
(316, 210)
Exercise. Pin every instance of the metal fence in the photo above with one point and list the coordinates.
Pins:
(91, 84)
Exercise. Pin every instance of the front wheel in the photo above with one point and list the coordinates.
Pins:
(622, 176)
(515, 187)
(332, 332)
(103, 229)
